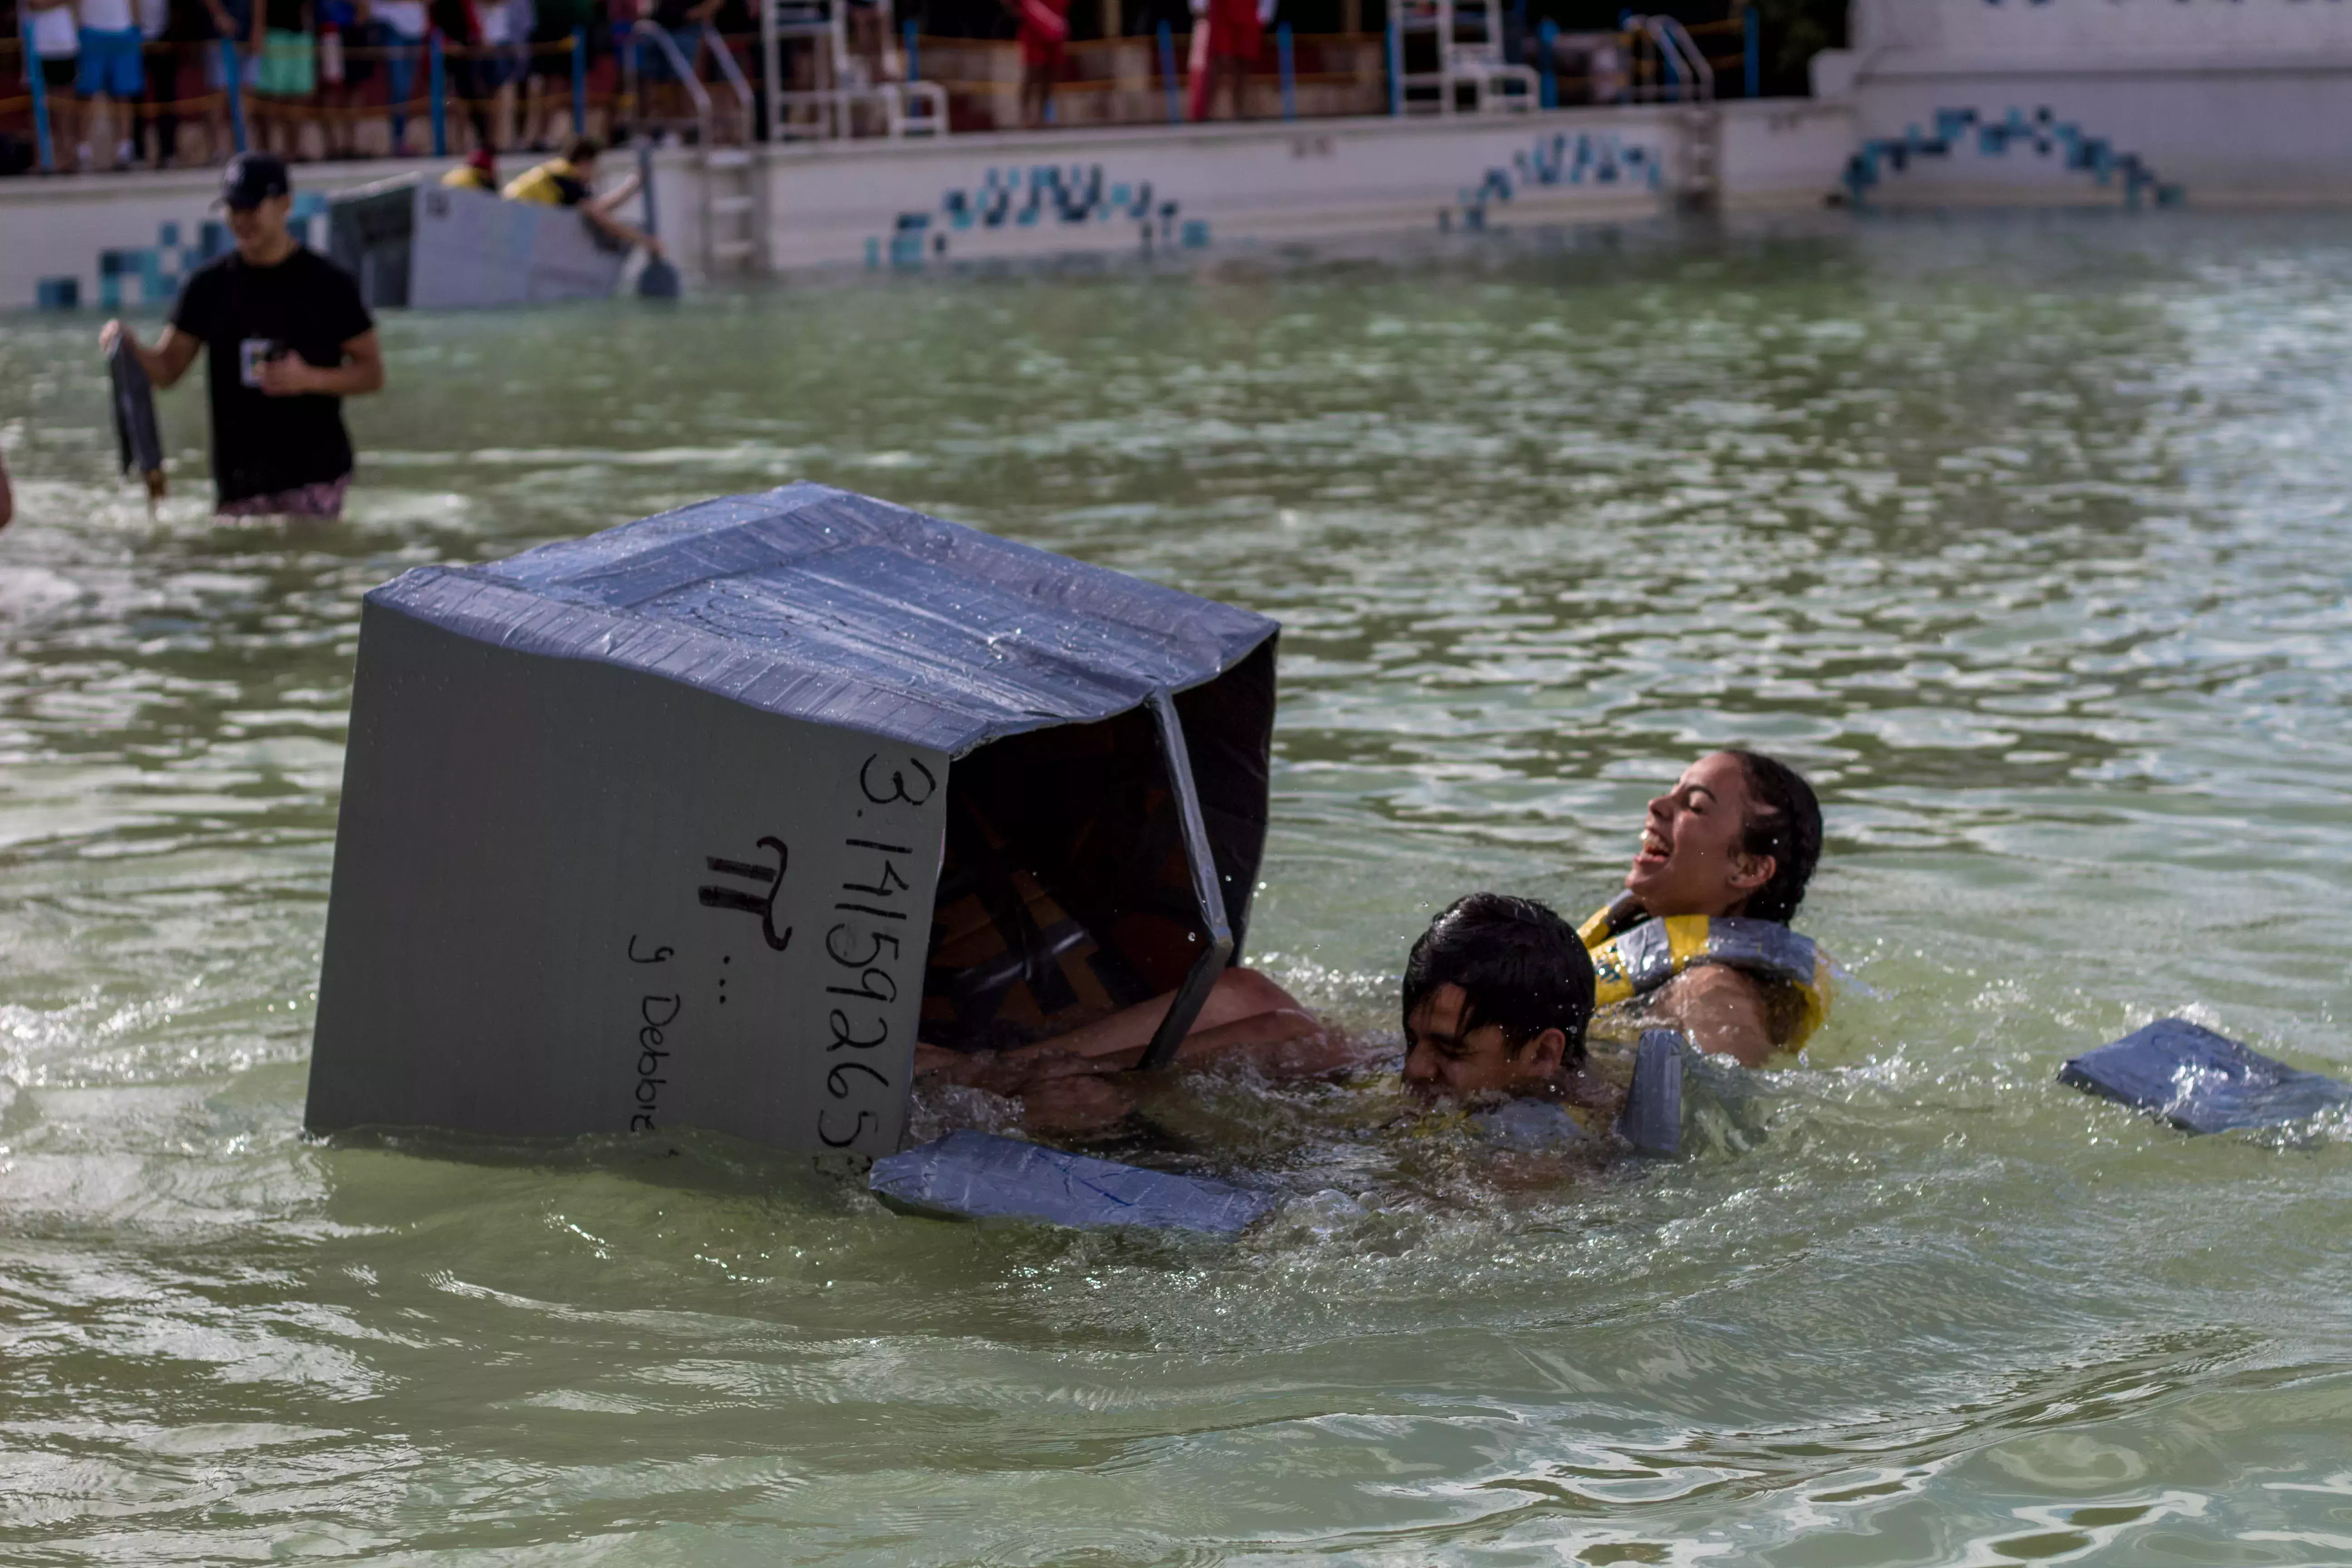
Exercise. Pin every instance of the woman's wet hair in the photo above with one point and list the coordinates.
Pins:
(1784, 821)
(1519, 966)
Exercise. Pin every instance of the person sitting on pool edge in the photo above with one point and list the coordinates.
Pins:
(1736, 839)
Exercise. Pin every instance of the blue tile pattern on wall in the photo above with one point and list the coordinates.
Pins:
(2043, 132)
(151, 274)
(1034, 196)
(1584, 158)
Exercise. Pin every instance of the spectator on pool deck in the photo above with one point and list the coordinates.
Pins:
(284, 72)
(180, 28)
(1236, 31)
(57, 44)
(112, 72)
(570, 180)
(346, 64)
(1043, 30)
(233, 20)
(546, 106)
(480, 172)
(287, 339)
(683, 21)
(400, 29)
(460, 27)
(504, 26)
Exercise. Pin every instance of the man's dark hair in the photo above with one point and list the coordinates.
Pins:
(582, 150)
(1784, 821)
(1519, 964)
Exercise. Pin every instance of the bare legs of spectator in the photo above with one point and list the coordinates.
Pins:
(1036, 93)
(545, 113)
(159, 108)
(1232, 73)
(64, 124)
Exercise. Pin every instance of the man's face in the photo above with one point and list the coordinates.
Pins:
(1440, 1060)
(258, 230)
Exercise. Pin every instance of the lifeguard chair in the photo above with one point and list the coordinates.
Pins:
(700, 821)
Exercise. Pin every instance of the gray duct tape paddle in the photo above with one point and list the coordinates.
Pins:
(659, 278)
(136, 433)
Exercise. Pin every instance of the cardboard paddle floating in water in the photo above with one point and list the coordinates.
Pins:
(980, 1177)
(643, 831)
(2200, 1081)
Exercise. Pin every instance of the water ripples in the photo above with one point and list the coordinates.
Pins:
(2023, 537)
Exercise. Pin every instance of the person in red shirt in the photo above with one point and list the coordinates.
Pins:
(1236, 31)
(1043, 32)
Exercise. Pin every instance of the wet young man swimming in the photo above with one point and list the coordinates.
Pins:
(1739, 835)
(1497, 993)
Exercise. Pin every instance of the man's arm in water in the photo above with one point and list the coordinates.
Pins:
(622, 233)
(165, 363)
(1721, 1010)
(361, 370)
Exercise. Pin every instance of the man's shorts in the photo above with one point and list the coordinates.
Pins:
(110, 63)
(653, 60)
(552, 56)
(217, 60)
(289, 66)
(496, 67)
(57, 72)
(324, 499)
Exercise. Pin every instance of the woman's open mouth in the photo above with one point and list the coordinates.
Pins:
(1654, 849)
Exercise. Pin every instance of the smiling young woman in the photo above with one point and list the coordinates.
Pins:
(1729, 850)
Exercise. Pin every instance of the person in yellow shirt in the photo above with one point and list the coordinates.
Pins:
(480, 172)
(570, 180)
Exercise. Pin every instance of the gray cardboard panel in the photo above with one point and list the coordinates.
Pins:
(550, 906)
(472, 248)
(642, 830)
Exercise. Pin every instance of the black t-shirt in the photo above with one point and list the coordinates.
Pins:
(245, 314)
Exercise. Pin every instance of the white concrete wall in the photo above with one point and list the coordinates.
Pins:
(2221, 101)
(1069, 192)
(2127, 36)
(1784, 152)
(1082, 192)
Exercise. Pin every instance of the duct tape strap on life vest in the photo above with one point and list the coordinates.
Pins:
(1642, 958)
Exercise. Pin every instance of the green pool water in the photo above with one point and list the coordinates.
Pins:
(2026, 538)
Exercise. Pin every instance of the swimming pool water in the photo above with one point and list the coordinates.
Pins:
(2025, 537)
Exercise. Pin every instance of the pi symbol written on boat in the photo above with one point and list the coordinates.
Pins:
(762, 904)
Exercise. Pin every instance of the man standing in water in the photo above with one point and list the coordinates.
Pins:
(289, 341)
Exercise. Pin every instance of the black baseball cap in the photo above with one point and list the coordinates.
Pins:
(251, 179)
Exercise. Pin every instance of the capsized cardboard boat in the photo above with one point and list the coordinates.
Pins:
(413, 242)
(643, 831)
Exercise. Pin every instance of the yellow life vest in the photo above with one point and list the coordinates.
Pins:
(465, 177)
(555, 183)
(1635, 954)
